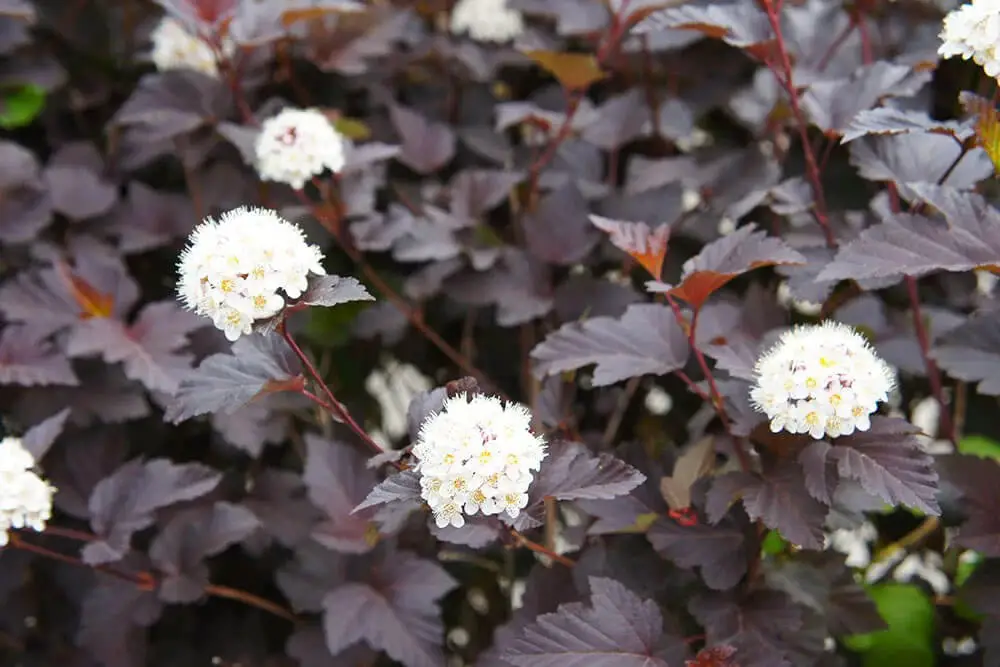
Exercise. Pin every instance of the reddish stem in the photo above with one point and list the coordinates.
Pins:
(335, 406)
(539, 549)
(786, 81)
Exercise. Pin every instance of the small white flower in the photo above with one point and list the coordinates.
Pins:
(296, 145)
(176, 48)
(824, 380)
(477, 455)
(973, 32)
(25, 498)
(854, 543)
(486, 20)
(233, 268)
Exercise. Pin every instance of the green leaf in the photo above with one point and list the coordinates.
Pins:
(909, 640)
(331, 327)
(20, 105)
(773, 543)
(981, 446)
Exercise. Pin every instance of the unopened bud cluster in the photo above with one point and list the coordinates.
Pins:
(25, 498)
(478, 455)
(235, 269)
(824, 380)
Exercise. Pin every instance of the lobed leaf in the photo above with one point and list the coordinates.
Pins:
(735, 23)
(889, 120)
(427, 146)
(644, 245)
(334, 290)
(27, 360)
(978, 481)
(720, 551)
(226, 382)
(617, 629)
(971, 352)
(646, 339)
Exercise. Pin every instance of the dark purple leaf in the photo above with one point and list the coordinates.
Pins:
(28, 361)
(79, 193)
(971, 352)
(620, 119)
(334, 290)
(475, 192)
(887, 120)
(889, 462)
(278, 499)
(720, 552)
(558, 231)
(646, 339)
(571, 472)
(617, 629)
(832, 104)
(113, 618)
(822, 582)
(256, 424)
(125, 502)
(308, 646)
(427, 146)
(104, 395)
(720, 261)
(147, 348)
(338, 481)
(582, 296)
(75, 470)
(360, 156)
(422, 406)
(151, 218)
(738, 24)
(397, 613)
(179, 550)
(477, 532)
(778, 498)
(40, 437)
(919, 158)
(760, 625)
(644, 245)
(978, 481)
(226, 382)
(516, 285)
(401, 487)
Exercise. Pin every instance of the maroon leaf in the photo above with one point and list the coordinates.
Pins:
(571, 472)
(833, 103)
(620, 119)
(778, 498)
(226, 382)
(978, 480)
(308, 646)
(151, 218)
(79, 192)
(26, 360)
(334, 290)
(190, 537)
(916, 245)
(887, 120)
(971, 352)
(113, 618)
(719, 551)
(427, 146)
(644, 245)
(557, 230)
(617, 629)
(147, 349)
(646, 339)
(760, 625)
(516, 285)
(399, 487)
(278, 499)
(919, 158)
(338, 481)
(475, 192)
(890, 463)
(822, 582)
(722, 260)
(124, 503)
(397, 613)
(735, 23)
(40, 437)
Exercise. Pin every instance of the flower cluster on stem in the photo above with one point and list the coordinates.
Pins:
(973, 32)
(25, 498)
(486, 20)
(235, 269)
(296, 145)
(478, 455)
(173, 47)
(824, 380)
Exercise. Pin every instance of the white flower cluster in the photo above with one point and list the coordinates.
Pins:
(296, 145)
(973, 31)
(176, 48)
(25, 498)
(477, 455)
(824, 380)
(486, 20)
(233, 268)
